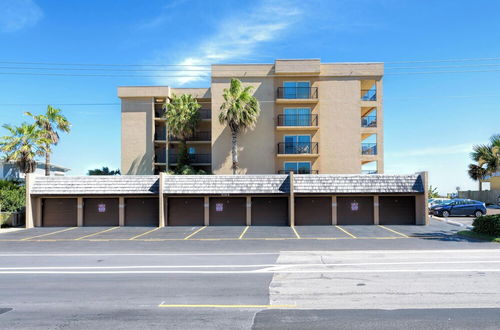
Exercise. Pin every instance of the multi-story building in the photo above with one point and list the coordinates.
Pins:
(315, 118)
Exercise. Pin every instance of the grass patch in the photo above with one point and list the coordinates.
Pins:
(471, 234)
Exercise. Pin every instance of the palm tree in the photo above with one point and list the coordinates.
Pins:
(182, 119)
(488, 155)
(51, 122)
(477, 173)
(23, 145)
(240, 110)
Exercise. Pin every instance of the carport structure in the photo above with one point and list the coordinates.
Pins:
(227, 200)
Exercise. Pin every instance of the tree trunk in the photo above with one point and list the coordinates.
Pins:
(234, 151)
(47, 164)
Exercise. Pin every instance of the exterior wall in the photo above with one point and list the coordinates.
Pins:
(137, 136)
(257, 150)
(485, 196)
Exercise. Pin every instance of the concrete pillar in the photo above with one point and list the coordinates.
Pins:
(121, 211)
(334, 210)
(421, 201)
(79, 211)
(206, 213)
(30, 212)
(249, 211)
(376, 212)
(162, 221)
(291, 201)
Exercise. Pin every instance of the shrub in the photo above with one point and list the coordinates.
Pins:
(488, 225)
(12, 196)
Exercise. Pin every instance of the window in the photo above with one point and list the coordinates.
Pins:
(296, 89)
(297, 144)
(297, 117)
(298, 167)
(191, 150)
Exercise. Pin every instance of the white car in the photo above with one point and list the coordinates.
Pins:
(437, 201)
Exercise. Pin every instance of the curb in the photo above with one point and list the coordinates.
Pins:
(451, 222)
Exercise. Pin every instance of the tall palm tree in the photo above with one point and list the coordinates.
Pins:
(477, 173)
(240, 110)
(182, 119)
(23, 145)
(488, 155)
(50, 123)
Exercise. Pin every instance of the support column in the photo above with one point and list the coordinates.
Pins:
(162, 221)
(249, 210)
(29, 222)
(334, 210)
(206, 211)
(79, 211)
(121, 211)
(38, 211)
(376, 204)
(291, 201)
(421, 201)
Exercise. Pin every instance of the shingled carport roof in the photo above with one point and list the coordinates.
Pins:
(96, 185)
(357, 183)
(226, 184)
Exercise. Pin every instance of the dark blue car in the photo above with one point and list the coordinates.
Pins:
(459, 207)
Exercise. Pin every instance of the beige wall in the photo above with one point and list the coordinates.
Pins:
(137, 136)
(257, 149)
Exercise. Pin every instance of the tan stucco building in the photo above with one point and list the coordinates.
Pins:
(315, 118)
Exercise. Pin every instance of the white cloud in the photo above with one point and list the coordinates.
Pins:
(18, 14)
(235, 38)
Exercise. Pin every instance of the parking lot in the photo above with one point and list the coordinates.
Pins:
(219, 233)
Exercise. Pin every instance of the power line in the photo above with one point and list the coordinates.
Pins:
(100, 64)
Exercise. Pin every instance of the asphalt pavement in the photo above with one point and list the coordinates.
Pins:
(382, 278)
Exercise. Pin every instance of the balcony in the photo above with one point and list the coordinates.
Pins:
(368, 148)
(369, 121)
(302, 120)
(297, 94)
(194, 159)
(369, 172)
(369, 95)
(299, 172)
(205, 114)
(298, 148)
(204, 136)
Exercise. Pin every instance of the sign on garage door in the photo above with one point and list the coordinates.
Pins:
(227, 211)
(100, 212)
(355, 210)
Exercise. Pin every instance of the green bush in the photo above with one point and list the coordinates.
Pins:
(12, 196)
(488, 225)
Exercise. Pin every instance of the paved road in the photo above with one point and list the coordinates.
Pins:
(443, 282)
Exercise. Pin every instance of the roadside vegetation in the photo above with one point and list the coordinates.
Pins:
(486, 227)
(25, 143)
(103, 171)
(239, 111)
(486, 159)
(12, 200)
(432, 192)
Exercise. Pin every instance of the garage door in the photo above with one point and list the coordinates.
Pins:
(395, 210)
(141, 211)
(269, 211)
(100, 212)
(313, 211)
(229, 211)
(185, 212)
(355, 211)
(59, 212)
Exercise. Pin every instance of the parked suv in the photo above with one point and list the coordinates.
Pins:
(459, 207)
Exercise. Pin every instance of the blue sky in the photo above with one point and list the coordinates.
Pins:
(431, 120)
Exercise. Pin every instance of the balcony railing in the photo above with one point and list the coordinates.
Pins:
(298, 120)
(160, 157)
(369, 171)
(369, 121)
(160, 134)
(368, 95)
(193, 158)
(198, 136)
(297, 148)
(297, 93)
(368, 148)
(205, 113)
(300, 171)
